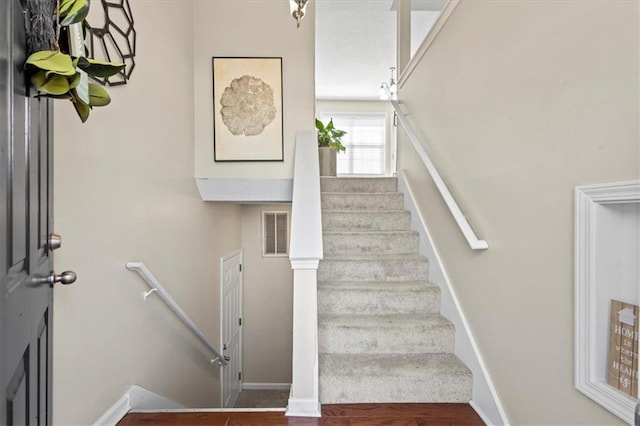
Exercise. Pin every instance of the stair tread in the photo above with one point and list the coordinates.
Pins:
(375, 256)
(370, 232)
(410, 366)
(378, 285)
(384, 321)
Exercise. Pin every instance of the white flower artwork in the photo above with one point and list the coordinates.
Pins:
(247, 109)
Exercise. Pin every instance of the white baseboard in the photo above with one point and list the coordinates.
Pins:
(136, 399)
(115, 413)
(485, 398)
(303, 408)
(143, 399)
(266, 386)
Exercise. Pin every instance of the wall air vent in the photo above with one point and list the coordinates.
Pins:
(275, 233)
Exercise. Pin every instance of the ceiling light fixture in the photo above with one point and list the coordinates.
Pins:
(298, 7)
(388, 90)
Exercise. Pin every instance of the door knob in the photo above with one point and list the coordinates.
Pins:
(55, 242)
(227, 358)
(67, 277)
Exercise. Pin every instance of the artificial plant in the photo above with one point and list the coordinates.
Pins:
(329, 136)
(57, 74)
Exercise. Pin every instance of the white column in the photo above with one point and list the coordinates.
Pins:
(303, 398)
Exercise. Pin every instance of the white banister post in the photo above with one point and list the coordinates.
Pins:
(304, 399)
(305, 253)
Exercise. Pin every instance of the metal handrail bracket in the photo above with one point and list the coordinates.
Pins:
(156, 287)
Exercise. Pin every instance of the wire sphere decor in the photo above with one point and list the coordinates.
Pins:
(115, 41)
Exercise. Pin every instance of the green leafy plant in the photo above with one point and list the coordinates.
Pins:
(58, 75)
(329, 136)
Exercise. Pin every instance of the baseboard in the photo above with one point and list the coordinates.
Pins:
(485, 398)
(303, 408)
(266, 386)
(115, 413)
(136, 399)
(143, 399)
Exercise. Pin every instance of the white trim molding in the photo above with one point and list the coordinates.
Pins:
(136, 399)
(303, 408)
(245, 190)
(587, 380)
(446, 12)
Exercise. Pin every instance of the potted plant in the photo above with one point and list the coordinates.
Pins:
(329, 144)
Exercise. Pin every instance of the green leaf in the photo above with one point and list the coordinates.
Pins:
(53, 85)
(74, 81)
(65, 5)
(53, 62)
(75, 13)
(97, 68)
(98, 96)
(82, 109)
(319, 125)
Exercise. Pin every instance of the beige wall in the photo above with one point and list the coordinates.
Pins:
(267, 304)
(251, 29)
(518, 103)
(124, 190)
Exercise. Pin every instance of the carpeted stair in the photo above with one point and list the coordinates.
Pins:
(381, 337)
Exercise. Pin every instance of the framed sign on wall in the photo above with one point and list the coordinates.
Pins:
(247, 109)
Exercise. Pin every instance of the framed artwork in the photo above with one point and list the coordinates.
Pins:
(247, 109)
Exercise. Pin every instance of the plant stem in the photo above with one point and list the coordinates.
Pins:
(56, 43)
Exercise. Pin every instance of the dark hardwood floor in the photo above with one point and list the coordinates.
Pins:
(332, 415)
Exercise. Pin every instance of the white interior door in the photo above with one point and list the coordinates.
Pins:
(231, 323)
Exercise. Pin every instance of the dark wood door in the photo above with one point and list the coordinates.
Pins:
(25, 224)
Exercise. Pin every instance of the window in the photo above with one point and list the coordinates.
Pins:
(365, 143)
(275, 233)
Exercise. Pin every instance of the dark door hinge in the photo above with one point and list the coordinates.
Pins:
(240, 267)
(239, 375)
(240, 321)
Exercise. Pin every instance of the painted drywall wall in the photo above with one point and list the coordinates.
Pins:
(267, 304)
(124, 191)
(518, 102)
(252, 29)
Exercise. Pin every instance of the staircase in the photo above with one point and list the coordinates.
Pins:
(380, 335)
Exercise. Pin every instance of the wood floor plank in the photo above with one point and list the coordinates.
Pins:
(332, 415)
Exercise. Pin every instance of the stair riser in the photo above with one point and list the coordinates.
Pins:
(366, 221)
(394, 243)
(358, 185)
(372, 270)
(439, 388)
(428, 338)
(362, 201)
(333, 301)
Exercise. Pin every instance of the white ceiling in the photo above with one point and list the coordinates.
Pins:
(356, 44)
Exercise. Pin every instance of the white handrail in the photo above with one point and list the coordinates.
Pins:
(155, 285)
(458, 216)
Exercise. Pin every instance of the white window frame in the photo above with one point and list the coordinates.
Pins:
(389, 141)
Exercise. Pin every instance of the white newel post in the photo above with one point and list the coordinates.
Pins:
(305, 254)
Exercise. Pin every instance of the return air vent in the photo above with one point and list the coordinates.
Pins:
(275, 233)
